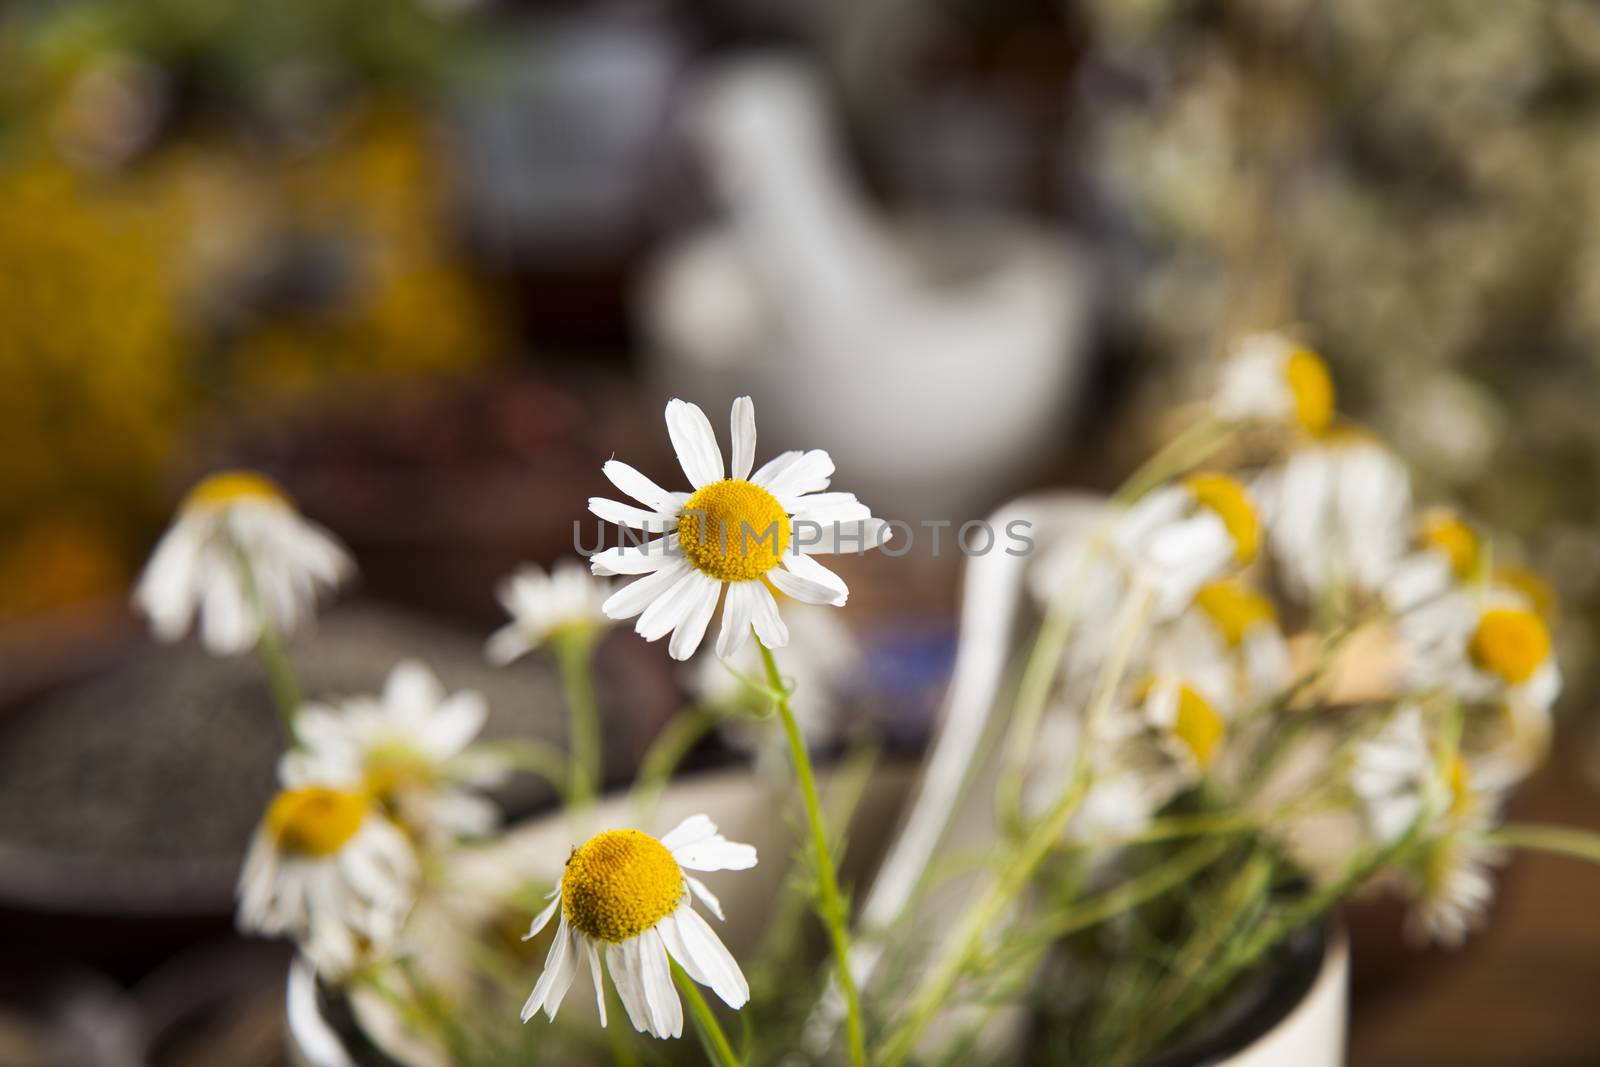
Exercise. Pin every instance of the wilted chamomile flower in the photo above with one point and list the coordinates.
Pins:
(1189, 713)
(327, 869)
(1404, 784)
(408, 750)
(1232, 623)
(1446, 550)
(630, 893)
(1269, 378)
(737, 529)
(567, 601)
(1338, 513)
(242, 556)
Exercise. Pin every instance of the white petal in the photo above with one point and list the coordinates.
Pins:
(541, 920)
(635, 597)
(411, 686)
(599, 983)
(743, 422)
(638, 486)
(706, 896)
(768, 622)
(737, 614)
(714, 959)
(716, 854)
(560, 966)
(809, 473)
(686, 638)
(505, 645)
(634, 518)
(636, 559)
(802, 589)
(694, 442)
(655, 975)
(694, 828)
(454, 724)
(622, 960)
(672, 938)
(671, 607)
(775, 467)
(812, 571)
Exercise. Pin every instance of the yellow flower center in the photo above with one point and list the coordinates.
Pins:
(1510, 642)
(1312, 387)
(619, 884)
(1444, 531)
(316, 820)
(733, 530)
(230, 487)
(1531, 584)
(1228, 499)
(1198, 726)
(1234, 608)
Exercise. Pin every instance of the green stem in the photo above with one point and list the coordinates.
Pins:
(269, 650)
(718, 1047)
(831, 908)
(1187, 450)
(584, 776)
(1557, 840)
(986, 914)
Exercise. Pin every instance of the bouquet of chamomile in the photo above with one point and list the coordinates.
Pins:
(1262, 677)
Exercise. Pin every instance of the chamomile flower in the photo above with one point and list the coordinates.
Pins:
(1446, 550)
(544, 606)
(1486, 643)
(630, 894)
(1338, 514)
(738, 529)
(1232, 623)
(1270, 378)
(1189, 713)
(238, 551)
(327, 869)
(1168, 544)
(1391, 773)
(408, 750)
(1452, 870)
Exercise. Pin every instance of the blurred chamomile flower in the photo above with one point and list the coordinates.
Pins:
(1269, 378)
(1338, 514)
(738, 530)
(629, 893)
(546, 606)
(408, 750)
(327, 869)
(240, 555)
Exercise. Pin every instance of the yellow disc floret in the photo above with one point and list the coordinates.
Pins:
(316, 821)
(1445, 531)
(1234, 608)
(733, 530)
(1198, 726)
(1312, 388)
(1512, 643)
(619, 884)
(230, 487)
(1228, 499)
(1458, 778)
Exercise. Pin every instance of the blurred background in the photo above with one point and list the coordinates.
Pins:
(429, 263)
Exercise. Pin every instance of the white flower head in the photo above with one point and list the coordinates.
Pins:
(543, 606)
(408, 750)
(1486, 643)
(1269, 378)
(1234, 624)
(737, 529)
(1392, 773)
(1181, 536)
(630, 894)
(327, 869)
(1447, 551)
(238, 550)
(1454, 883)
(1338, 514)
(1189, 712)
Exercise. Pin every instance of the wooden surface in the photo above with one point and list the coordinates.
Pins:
(1523, 993)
